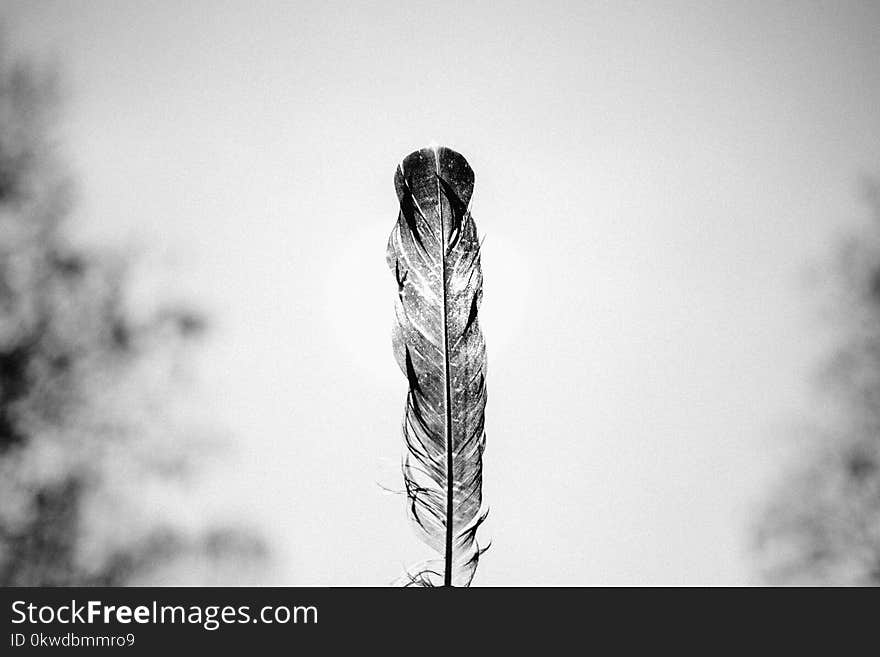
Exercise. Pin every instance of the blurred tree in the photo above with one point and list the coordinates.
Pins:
(90, 448)
(823, 524)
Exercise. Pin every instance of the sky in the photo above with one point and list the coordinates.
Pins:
(653, 180)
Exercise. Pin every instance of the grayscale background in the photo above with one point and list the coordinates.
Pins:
(664, 188)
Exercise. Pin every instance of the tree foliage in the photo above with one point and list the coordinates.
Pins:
(91, 449)
(823, 525)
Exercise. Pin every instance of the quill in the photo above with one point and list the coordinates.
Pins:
(434, 254)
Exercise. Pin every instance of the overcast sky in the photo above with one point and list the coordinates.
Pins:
(653, 179)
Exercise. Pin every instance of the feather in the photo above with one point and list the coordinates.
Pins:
(434, 254)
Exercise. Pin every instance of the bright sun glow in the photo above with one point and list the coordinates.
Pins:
(360, 296)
